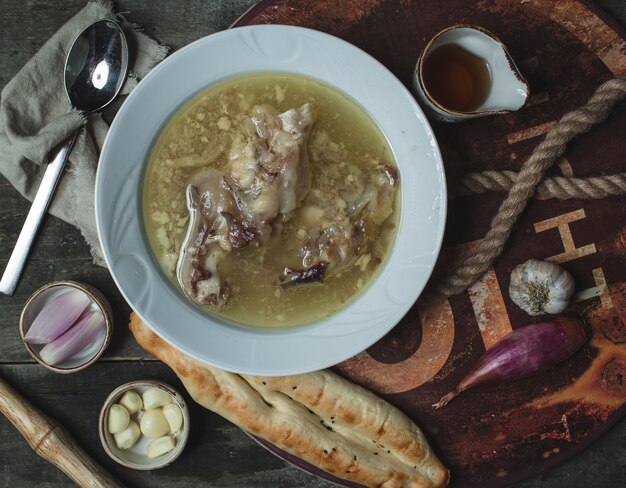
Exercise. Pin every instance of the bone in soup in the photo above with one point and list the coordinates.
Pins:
(271, 200)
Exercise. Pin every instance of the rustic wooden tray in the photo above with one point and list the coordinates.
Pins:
(494, 436)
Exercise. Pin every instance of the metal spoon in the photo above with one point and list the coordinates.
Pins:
(95, 70)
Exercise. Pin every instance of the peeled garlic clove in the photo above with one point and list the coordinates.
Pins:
(155, 398)
(154, 424)
(160, 446)
(132, 401)
(128, 437)
(118, 419)
(539, 287)
(174, 417)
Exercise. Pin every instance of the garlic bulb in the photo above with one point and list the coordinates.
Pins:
(539, 287)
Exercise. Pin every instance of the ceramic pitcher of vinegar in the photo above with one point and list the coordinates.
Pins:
(466, 72)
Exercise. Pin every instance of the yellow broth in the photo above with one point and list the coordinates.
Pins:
(343, 137)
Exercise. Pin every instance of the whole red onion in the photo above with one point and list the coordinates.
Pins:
(526, 351)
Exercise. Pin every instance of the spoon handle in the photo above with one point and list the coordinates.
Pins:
(35, 216)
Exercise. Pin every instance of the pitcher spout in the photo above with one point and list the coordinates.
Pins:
(509, 89)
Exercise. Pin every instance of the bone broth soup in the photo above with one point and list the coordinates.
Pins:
(271, 200)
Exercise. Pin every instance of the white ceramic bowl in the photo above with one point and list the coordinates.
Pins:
(119, 199)
(87, 356)
(136, 457)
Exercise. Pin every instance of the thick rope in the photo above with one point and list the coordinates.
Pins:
(570, 126)
(560, 187)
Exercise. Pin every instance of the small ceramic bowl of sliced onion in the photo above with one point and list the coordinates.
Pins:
(144, 424)
(66, 326)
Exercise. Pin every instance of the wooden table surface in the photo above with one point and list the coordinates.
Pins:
(218, 454)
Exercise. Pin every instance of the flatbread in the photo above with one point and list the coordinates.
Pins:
(320, 417)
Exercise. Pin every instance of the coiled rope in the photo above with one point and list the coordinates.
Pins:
(525, 184)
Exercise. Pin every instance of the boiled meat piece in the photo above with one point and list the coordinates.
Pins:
(337, 230)
(266, 175)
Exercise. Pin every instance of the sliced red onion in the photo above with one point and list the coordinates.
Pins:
(57, 316)
(74, 340)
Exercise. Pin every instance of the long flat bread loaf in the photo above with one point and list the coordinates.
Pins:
(329, 422)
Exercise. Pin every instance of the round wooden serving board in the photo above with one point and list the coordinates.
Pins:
(495, 435)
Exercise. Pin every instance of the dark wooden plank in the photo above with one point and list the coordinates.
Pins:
(617, 8)
(59, 253)
(218, 454)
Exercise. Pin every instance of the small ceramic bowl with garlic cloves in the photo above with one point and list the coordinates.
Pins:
(144, 425)
(66, 326)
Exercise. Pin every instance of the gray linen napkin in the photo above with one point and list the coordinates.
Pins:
(36, 116)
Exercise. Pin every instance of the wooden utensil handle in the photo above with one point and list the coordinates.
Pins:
(52, 442)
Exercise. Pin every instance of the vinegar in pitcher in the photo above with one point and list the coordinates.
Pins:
(457, 79)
